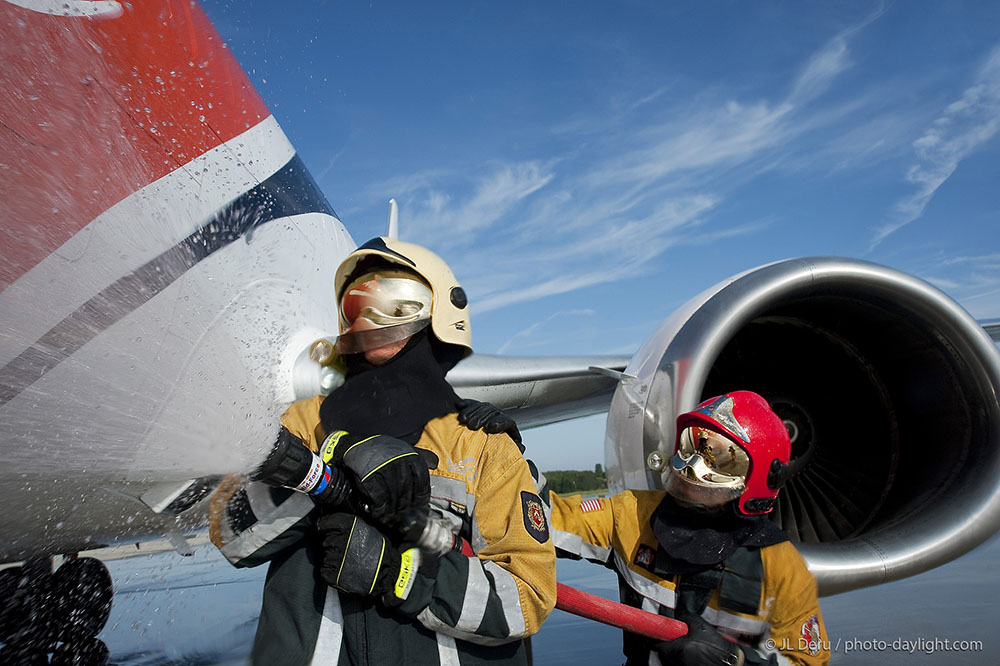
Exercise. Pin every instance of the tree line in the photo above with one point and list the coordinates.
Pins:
(572, 481)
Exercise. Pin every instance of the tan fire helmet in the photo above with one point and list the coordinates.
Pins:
(393, 259)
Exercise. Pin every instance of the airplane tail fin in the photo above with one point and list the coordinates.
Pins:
(392, 224)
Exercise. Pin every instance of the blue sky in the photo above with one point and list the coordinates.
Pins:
(586, 171)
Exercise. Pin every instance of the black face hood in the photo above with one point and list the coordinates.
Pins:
(397, 398)
(691, 540)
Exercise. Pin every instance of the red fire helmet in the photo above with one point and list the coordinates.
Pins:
(731, 446)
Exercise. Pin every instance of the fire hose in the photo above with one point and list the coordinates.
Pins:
(616, 614)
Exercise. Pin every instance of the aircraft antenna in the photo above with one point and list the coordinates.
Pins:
(392, 230)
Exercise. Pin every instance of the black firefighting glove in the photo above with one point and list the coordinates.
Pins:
(702, 645)
(483, 416)
(359, 559)
(389, 475)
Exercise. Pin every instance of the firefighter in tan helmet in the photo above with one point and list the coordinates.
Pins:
(388, 290)
(340, 588)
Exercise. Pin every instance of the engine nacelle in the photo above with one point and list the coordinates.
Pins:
(889, 390)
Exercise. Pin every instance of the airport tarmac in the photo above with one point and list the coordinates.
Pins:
(171, 611)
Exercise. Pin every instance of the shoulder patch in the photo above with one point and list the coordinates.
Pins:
(810, 636)
(591, 505)
(534, 517)
(644, 557)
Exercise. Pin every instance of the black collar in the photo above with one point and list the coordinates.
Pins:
(397, 398)
(692, 541)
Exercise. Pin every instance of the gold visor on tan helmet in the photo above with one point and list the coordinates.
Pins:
(449, 311)
(382, 308)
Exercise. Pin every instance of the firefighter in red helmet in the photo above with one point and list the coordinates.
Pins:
(703, 550)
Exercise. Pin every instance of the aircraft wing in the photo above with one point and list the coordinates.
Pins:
(540, 390)
(167, 265)
(992, 327)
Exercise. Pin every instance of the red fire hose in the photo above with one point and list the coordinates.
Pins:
(602, 610)
(636, 620)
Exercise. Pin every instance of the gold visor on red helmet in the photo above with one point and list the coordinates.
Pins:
(708, 468)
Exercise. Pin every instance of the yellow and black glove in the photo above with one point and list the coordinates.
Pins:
(359, 559)
(390, 476)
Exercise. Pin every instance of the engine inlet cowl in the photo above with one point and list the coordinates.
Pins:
(889, 392)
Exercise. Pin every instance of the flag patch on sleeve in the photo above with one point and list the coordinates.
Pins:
(591, 505)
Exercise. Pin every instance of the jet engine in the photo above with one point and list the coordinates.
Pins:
(888, 389)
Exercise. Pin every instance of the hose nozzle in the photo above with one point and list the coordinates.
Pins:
(290, 464)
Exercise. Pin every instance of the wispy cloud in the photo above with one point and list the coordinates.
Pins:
(445, 220)
(593, 246)
(972, 279)
(330, 164)
(701, 141)
(820, 71)
(988, 261)
(656, 94)
(962, 128)
(649, 181)
(531, 330)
